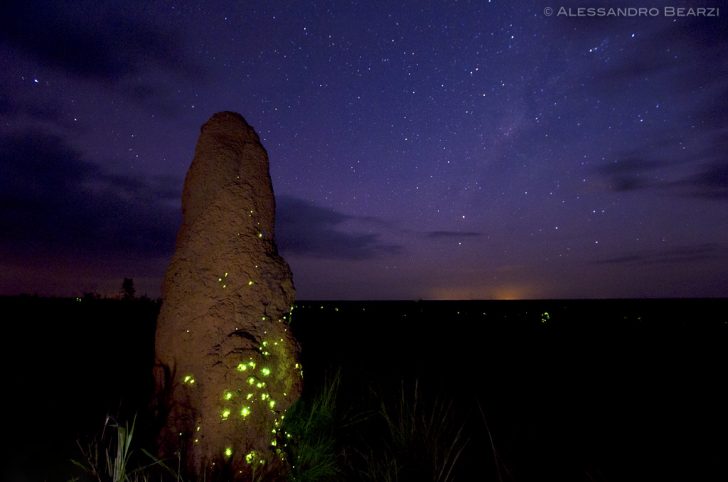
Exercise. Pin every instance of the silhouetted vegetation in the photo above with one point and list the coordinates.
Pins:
(524, 391)
(128, 292)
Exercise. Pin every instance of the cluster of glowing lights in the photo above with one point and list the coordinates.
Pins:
(254, 378)
(244, 366)
(254, 381)
(251, 456)
(223, 281)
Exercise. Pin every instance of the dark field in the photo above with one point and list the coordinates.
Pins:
(571, 390)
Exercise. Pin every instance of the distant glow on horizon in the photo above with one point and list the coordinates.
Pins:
(503, 293)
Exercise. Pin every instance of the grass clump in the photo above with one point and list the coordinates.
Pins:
(421, 440)
(405, 437)
(111, 458)
(310, 429)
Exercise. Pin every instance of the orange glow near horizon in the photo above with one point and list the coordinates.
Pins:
(508, 292)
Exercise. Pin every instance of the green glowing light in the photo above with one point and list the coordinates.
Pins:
(265, 371)
(250, 283)
(272, 404)
(264, 396)
(245, 411)
(273, 443)
(241, 367)
(260, 384)
(250, 457)
(251, 364)
(265, 343)
(225, 413)
(188, 379)
(227, 395)
(228, 452)
(251, 381)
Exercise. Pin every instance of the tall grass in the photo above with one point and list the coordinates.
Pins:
(408, 437)
(423, 440)
(108, 458)
(312, 426)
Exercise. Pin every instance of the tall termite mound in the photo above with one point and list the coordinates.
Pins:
(229, 361)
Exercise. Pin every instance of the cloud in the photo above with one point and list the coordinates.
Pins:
(693, 50)
(53, 201)
(700, 173)
(452, 234)
(680, 254)
(89, 40)
(309, 230)
(630, 173)
(688, 66)
(711, 182)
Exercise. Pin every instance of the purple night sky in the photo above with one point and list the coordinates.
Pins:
(419, 149)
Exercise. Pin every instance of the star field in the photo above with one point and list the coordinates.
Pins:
(418, 149)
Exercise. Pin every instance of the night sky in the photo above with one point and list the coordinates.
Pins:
(421, 149)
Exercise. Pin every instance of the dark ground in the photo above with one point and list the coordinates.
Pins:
(597, 390)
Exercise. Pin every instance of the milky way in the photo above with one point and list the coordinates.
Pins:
(484, 149)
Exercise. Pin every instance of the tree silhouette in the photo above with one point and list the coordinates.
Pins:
(127, 289)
